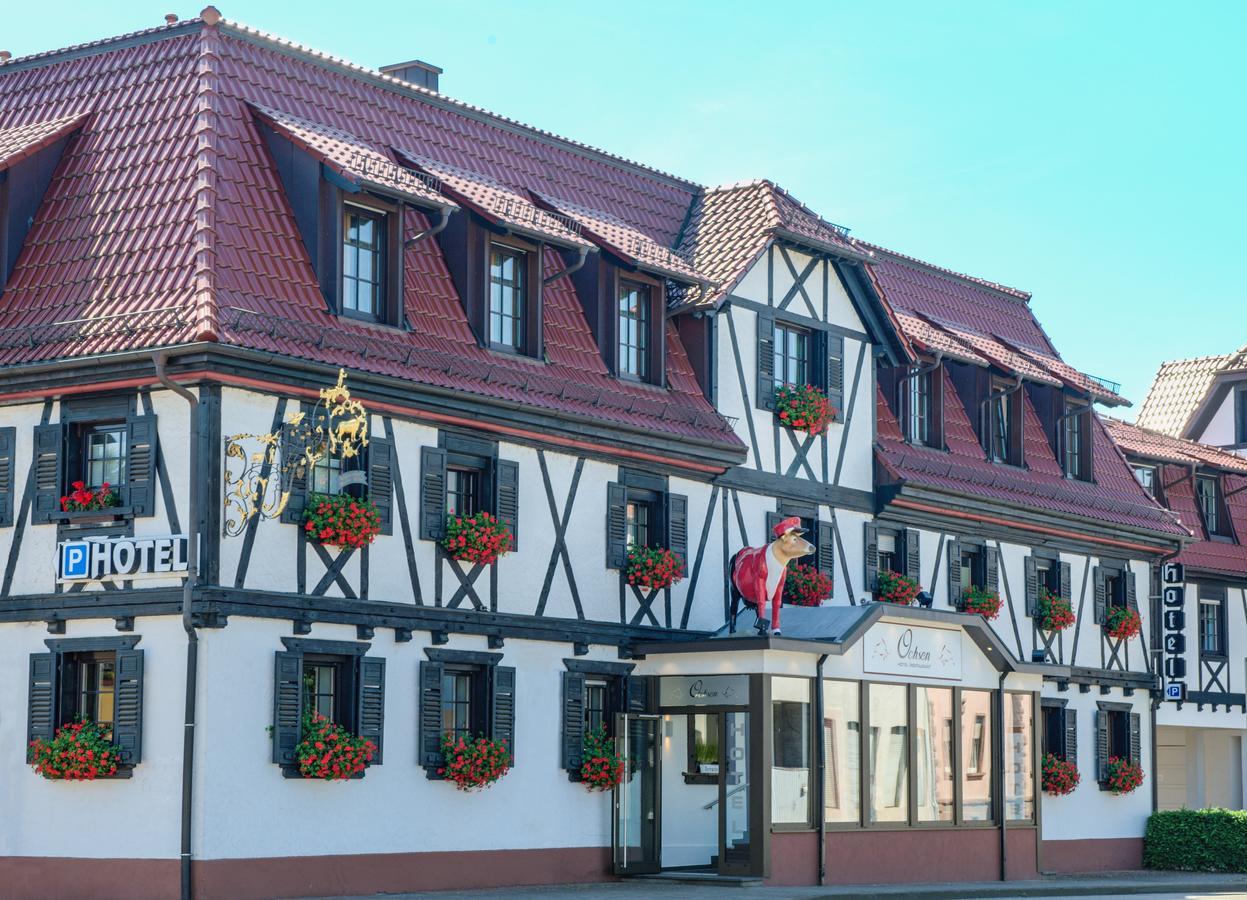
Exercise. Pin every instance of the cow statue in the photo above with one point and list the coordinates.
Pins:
(757, 573)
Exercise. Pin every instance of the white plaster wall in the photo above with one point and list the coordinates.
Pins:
(1190, 716)
(1220, 429)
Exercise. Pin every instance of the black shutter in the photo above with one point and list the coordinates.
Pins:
(1101, 745)
(825, 544)
(432, 495)
(1066, 589)
(128, 715)
(772, 519)
(287, 706)
(913, 555)
(1032, 586)
(502, 707)
(637, 690)
(677, 526)
(766, 361)
(955, 597)
(370, 702)
(871, 553)
(991, 568)
(507, 496)
(1101, 594)
(8, 439)
(294, 469)
(616, 525)
(1069, 719)
(381, 462)
(573, 723)
(834, 383)
(1136, 739)
(41, 703)
(1132, 599)
(49, 471)
(431, 715)
(139, 491)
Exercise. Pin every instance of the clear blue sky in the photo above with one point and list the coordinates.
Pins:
(1091, 153)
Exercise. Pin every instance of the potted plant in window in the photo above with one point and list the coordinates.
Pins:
(1122, 775)
(892, 587)
(1060, 776)
(981, 601)
(80, 751)
(1055, 612)
(806, 585)
(479, 538)
(329, 752)
(804, 408)
(654, 568)
(85, 505)
(603, 767)
(473, 764)
(337, 520)
(1122, 622)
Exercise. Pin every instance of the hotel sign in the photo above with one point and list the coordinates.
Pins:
(121, 558)
(913, 651)
(703, 690)
(1173, 606)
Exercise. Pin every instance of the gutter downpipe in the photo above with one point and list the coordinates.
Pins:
(820, 765)
(429, 232)
(999, 774)
(192, 636)
(568, 270)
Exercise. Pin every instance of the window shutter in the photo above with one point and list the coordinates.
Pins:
(637, 694)
(293, 468)
(766, 361)
(41, 703)
(991, 568)
(871, 553)
(507, 473)
(128, 716)
(381, 462)
(1101, 745)
(1069, 719)
(431, 715)
(287, 705)
(1032, 586)
(8, 440)
(370, 702)
(913, 555)
(502, 709)
(677, 526)
(139, 491)
(49, 471)
(955, 597)
(1136, 738)
(825, 544)
(772, 519)
(432, 496)
(1101, 595)
(573, 723)
(835, 373)
(1066, 590)
(616, 525)
(1132, 599)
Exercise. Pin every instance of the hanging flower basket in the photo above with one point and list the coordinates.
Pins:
(603, 768)
(806, 586)
(1055, 612)
(80, 751)
(336, 520)
(894, 588)
(474, 764)
(982, 602)
(85, 499)
(1060, 776)
(804, 408)
(653, 567)
(1123, 775)
(1122, 622)
(479, 538)
(329, 752)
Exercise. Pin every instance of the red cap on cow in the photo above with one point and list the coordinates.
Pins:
(783, 526)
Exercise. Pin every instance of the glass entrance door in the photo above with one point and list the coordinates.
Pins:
(636, 839)
(735, 856)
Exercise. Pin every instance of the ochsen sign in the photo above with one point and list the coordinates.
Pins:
(121, 558)
(894, 649)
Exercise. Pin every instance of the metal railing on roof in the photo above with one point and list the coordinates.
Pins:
(373, 168)
(1110, 386)
(519, 210)
(94, 327)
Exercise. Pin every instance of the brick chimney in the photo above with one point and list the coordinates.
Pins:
(416, 72)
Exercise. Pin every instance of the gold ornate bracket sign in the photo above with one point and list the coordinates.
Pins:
(261, 468)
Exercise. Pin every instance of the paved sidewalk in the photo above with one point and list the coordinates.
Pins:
(1110, 884)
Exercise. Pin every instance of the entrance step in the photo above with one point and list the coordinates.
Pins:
(694, 877)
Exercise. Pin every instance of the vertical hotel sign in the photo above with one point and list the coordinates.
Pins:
(1173, 621)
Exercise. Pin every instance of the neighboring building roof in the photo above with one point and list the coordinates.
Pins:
(1180, 387)
(1147, 444)
(23, 141)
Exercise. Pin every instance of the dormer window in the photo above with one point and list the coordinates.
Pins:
(507, 297)
(1076, 441)
(633, 328)
(1146, 476)
(1002, 418)
(1208, 496)
(363, 261)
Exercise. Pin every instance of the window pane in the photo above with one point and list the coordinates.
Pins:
(463, 491)
(506, 296)
(595, 705)
(362, 264)
(639, 518)
(1019, 762)
(976, 756)
(705, 750)
(633, 329)
(933, 732)
(105, 453)
(790, 733)
(889, 757)
(457, 704)
(791, 355)
(842, 731)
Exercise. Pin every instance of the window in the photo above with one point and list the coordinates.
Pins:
(1212, 621)
(1019, 761)
(93, 688)
(1118, 735)
(642, 517)
(1076, 442)
(1002, 423)
(463, 490)
(331, 474)
(461, 716)
(641, 512)
(1240, 414)
(842, 745)
(889, 753)
(890, 559)
(596, 705)
(363, 261)
(463, 476)
(1146, 476)
(919, 409)
(322, 687)
(97, 440)
(790, 735)
(792, 355)
(507, 274)
(933, 732)
(973, 567)
(976, 755)
(466, 694)
(593, 692)
(104, 454)
(634, 328)
(1058, 737)
(1206, 494)
(703, 749)
(999, 437)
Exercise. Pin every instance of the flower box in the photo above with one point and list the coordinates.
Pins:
(1055, 612)
(806, 586)
(603, 767)
(894, 588)
(654, 568)
(982, 602)
(1122, 622)
(1060, 776)
(84, 505)
(336, 520)
(329, 752)
(1122, 776)
(804, 408)
(480, 538)
(80, 751)
(473, 765)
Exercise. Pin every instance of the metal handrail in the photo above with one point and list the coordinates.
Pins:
(735, 790)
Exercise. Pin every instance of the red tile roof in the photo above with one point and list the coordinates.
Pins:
(22, 141)
(1145, 443)
(1180, 387)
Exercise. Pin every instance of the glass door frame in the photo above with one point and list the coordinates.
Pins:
(619, 863)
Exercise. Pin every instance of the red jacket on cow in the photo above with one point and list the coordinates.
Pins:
(749, 576)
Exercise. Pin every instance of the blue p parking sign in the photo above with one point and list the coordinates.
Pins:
(75, 559)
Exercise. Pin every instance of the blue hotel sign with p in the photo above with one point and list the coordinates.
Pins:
(117, 558)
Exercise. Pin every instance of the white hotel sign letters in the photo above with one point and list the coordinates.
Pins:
(894, 649)
(119, 558)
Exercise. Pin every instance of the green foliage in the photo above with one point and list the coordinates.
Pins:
(1197, 840)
